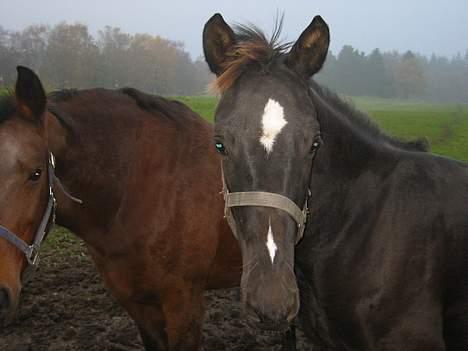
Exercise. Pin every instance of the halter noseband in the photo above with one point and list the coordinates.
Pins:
(264, 199)
(31, 252)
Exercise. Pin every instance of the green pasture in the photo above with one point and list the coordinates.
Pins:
(444, 125)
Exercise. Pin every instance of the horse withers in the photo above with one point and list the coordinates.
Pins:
(382, 262)
(150, 211)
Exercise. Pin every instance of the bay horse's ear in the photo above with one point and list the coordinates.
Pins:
(30, 95)
(310, 50)
(218, 40)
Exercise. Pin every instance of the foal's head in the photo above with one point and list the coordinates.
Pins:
(267, 132)
(24, 186)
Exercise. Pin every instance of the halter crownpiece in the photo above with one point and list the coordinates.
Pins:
(264, 199)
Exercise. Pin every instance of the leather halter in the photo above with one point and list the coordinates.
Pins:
(31, 252)
(264, 199)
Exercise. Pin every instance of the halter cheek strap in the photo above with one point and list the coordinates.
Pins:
(31, 252)
(264, 199)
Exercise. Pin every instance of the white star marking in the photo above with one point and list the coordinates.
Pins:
(272, 123)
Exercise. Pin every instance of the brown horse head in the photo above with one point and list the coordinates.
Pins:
(24, 186)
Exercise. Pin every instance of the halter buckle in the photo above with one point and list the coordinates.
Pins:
(33, 255)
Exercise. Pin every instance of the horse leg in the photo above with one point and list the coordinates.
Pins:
(152, 343)
(456, 325)
(184, 316)
(150, 321)
(289, 339)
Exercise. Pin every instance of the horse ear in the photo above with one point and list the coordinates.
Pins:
(30, 95)
(218, 40)
(310, 50)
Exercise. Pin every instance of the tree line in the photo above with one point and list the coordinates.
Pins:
(68, 56)
(396, 75)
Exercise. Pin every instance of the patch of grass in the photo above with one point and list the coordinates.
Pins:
(4, 91)
(367, 103)
(444, 125)
(203, 105)
(457, 145)
(61, 242)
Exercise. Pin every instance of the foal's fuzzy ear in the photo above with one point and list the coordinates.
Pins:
(310, 50)
(218, 41)
(30, 95)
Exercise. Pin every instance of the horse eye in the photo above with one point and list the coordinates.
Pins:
(316, 144)
(220, 148)
(34, 177)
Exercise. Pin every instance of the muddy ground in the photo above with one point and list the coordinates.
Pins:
(65, 307)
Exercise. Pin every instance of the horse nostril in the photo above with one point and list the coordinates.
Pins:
(5, 301)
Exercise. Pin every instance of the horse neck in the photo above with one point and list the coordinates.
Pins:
(348, 170)
(81, 173)
(116, 152)
(348, 147)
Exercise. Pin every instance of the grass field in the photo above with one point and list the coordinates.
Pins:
(444, 125)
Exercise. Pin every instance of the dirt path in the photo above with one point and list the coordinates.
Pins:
(66, 308)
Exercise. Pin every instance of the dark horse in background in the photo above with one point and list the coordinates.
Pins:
(151, 213)
(383, 262)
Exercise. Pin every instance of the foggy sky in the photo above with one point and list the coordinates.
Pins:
(425, 27)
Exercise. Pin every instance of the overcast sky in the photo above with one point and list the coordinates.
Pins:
(427, 27)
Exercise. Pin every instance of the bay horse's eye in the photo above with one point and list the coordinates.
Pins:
(34, 177)
(220, 148)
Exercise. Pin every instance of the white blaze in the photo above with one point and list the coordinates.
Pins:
(272, 123)
(270, 244)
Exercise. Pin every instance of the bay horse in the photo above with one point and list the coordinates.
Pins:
(150, 211)
(382, 261)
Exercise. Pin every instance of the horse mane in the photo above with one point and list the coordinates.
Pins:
(362, 121)
(157, 105)
(252, 47)
(63, 95)
(7, 105)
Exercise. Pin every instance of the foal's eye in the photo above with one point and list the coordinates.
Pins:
(220, 148)
(316, 144)
(34, 177)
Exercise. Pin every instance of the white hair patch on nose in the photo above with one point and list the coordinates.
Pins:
(270, 244)
(272, 123)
